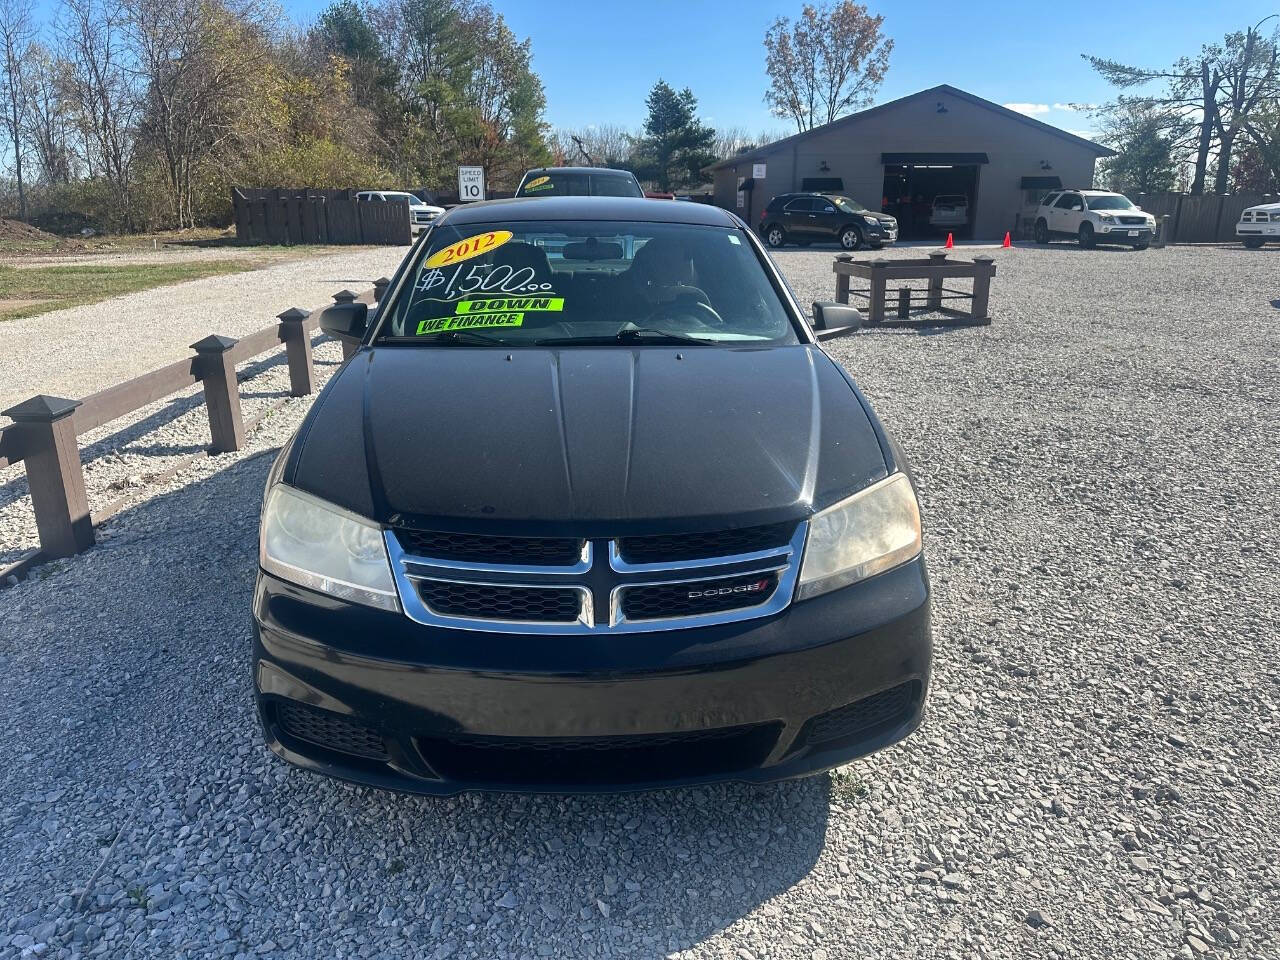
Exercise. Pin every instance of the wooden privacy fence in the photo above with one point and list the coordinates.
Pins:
(44, 434)
(286, 216)
(935, 270)
(1208, 218)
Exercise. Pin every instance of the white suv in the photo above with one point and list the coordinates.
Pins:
(421, 213)
(1259, 224)
(1093, 216)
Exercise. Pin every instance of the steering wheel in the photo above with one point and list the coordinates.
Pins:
(690, 301)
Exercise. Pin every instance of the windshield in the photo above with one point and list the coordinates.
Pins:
(849, 206)
(555, 184)
(549, 282)
(1110, 201)
(950, 200)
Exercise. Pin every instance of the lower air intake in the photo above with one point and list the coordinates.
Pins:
(599, 761)
(880, 711)
(330, 730)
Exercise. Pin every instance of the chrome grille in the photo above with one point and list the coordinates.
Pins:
(657, 601)
(621, 585)
(497, 602)
(482, 548)
(1134, 221)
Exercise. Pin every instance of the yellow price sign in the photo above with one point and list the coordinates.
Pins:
(475, 246)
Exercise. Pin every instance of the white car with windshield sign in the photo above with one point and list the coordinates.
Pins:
(1259, 224)
(1093, 216)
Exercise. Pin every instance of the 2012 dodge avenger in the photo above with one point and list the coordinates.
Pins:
(589, 509)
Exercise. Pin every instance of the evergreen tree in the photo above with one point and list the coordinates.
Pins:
(676, 145)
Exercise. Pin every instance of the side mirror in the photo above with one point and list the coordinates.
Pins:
(345, 320)
(1077, 207)
(828, 315)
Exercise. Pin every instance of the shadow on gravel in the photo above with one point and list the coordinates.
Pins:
(150, 630)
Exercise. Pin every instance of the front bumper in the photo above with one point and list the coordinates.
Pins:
(1258, 230)
(881, 233)
(373, 697)
(1125, 232)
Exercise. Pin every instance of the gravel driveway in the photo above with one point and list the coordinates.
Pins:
(1097, 776)
(74, 352)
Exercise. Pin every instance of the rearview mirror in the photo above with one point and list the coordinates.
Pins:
(347, 320)
(828, 315)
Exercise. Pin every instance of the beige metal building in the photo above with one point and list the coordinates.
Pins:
(899, 156)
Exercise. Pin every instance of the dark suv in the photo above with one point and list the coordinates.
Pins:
(579, 182)
(807, 217)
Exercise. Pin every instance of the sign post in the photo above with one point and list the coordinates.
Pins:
(470, 183)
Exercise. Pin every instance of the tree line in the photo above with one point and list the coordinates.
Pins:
(1206, 122)
(128, 114)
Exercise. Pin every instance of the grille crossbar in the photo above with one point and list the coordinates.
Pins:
(603, 591)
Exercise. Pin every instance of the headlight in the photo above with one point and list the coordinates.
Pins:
(875, 529)
(1106, 218)
(872, 220)
(318, 545)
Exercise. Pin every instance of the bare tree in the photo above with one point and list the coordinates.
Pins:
(48, 124)
(103, 93)
(830, 61)
(602, 145)
(17, 34)
(193, 58)
(1249, 73)
(1219, 87)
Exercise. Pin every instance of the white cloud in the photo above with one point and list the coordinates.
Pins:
(1087, 134)
(1068, 107)
(1030, 109)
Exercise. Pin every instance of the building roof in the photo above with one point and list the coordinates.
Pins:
(761, 152)
(587, 208)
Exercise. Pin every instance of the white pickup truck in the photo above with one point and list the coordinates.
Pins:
(1259, 224)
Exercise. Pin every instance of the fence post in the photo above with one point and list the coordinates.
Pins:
(297, 348)
(221, 392)
(904, 303)
(875, 312)
(349, 344)
(380, 287)
(984, 270)
(842, 279)
(54, 474)
(936, 259)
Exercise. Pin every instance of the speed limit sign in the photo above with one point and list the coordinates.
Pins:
(470, 183)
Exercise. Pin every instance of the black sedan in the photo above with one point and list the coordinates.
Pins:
(589, 509)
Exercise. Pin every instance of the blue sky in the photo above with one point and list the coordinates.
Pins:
(598, 58)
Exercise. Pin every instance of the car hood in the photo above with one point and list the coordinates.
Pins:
(1263, 208)
(605, 440)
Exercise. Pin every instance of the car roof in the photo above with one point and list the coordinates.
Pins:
(579, 170)
(588, 208)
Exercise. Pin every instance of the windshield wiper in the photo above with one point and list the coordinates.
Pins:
(625, 335)
(451, 336)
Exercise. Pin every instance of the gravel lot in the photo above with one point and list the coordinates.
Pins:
(1098, 775)
(74, 352)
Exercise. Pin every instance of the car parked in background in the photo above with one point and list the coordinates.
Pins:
(949, 211)
(421, 213)
(805, 218)
(1258, 224)
(579, 182)
(1093, 216)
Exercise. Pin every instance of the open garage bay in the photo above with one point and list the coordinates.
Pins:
(1097, 775)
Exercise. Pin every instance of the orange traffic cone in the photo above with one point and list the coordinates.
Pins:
(1007, 241)
(950, 242)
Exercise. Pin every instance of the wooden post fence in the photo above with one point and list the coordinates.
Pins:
(44, 432)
